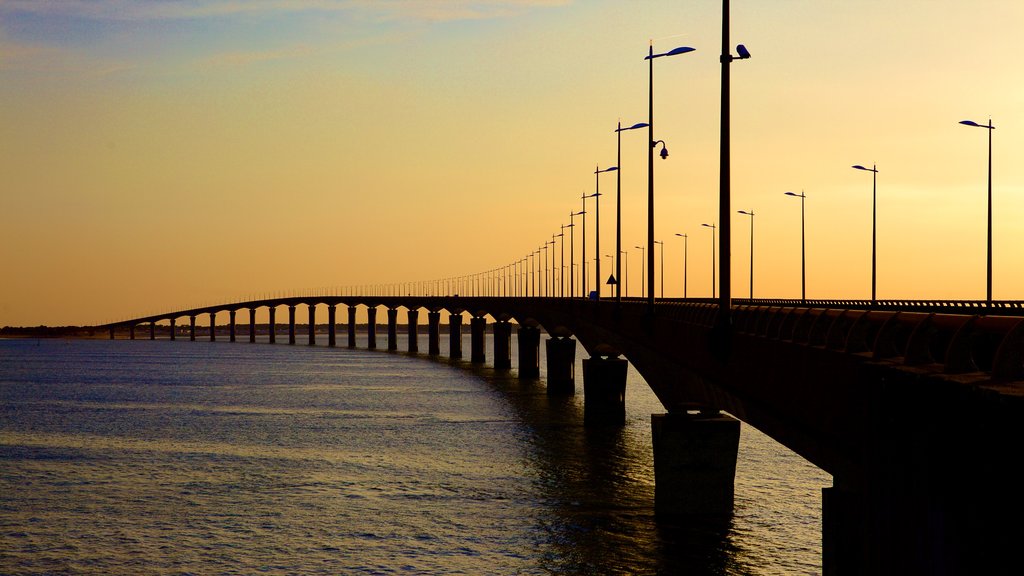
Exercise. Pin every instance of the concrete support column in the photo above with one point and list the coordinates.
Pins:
(152, 330)
(478, 340)
(231, 325)
(371, 327)
(604, 391)
(694, 463)
(502, 345)
(273, 325)
(213, 326)
(434, 333)
(413, 344)
(291, 324)
(841, 529)
(561, 356)
(131, 332)
(312, 323)
(392, 329)
(192, 328)
(252, 325)
(111, 333)
(529, 352)
(332, 331)
(174, 323)
(455, 335)
(352, 326)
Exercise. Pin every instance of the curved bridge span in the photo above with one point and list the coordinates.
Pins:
(916, 408)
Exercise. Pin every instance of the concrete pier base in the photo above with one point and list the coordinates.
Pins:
(231, 325)
(694, 463)
(174, 327)
(332, 329)
(291, 324)
(412, 316)
(455, 335)
(111, 333)
(529, 352)
(502, 345)
(371, 327)
(604, 391)
(841, 527)
(252, 326)
(434, 333)
(392, 329)
(192, 328)
(272, 328)
(152, 330)
(478, 340)
(351, 326)
(131, 332)
(561, 358)
(213, 326)
(312, 324)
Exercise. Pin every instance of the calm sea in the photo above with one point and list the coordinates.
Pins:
(140, 457)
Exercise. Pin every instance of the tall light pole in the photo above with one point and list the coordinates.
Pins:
(618, 206)
(572, 251)
(990, 128)
(597, 216)
(561, 269)
(650, 161)
(874, 214)
(554, 276)
(751, 214)
(712, 226)
(662, 272)
(584, 248)
(803, 247)
(626, 254)
(685, 242)
(642, 275)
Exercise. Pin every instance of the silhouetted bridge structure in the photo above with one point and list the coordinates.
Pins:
(915, 408)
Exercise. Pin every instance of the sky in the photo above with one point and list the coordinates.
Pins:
(157, 155)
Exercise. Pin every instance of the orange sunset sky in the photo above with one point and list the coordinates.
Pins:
(159, 155)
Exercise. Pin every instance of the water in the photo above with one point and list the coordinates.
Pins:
(216, 458)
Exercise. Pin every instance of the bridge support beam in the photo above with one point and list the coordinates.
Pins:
(413, 344)
(312, 323)
(502, 345)
(231, 323)
(192, 328)
(371, 327)
(478, 340)
(213, 326)
(252, 325)
(332, 328)
(272, 328)
(152, 330)
(529, 352)
(561, 356)
(434, 333)
(173, 327)
(352, 326)
(291, 324)
(392, 329)
(694, 463)
(455, 335)
(604, 391)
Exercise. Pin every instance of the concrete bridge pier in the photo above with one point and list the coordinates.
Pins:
(478, 340)
(312, 324)
(173, 327)
(213, 326)
(111, 333)
(252, 326)
(433, 333)
(371, 327)
(273, 325)
(694, 463)
(192, 328)
(455, 335)
(291, 324)
(332, 328)
(131, 332)
(392, 329)
(231, 324)
(529, 352)
(152, 330)
(352, 326)
(502, 345)
(604, 390)
(413, 344)
(561, 356)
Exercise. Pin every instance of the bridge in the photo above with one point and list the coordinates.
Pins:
(915, 408)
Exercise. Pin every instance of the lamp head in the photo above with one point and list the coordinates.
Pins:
(742, 51)
(664, 153)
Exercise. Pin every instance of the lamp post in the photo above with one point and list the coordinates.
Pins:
(803, 247)
(554, 276)
(626, 254)
(618, 205)
(572, 251)
(561, 269)
(583, 263)
(712, 226)
(662, 272)
(874, 214)
(642, 274)
(990, 128)
(685, 242)
(597, 217)
(650, 160)
(751, 214)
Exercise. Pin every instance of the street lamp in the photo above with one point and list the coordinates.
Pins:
(618, 206)
(874, 213)
(584, 248)
(561, 269)
(662, 272)
(554, 276)
(751, 214)
(642, 275)
(712, 226)
(685, 242)
(803, 247)
(990, 128)
(650, 160)
(597, 217)
(626, 254)
(572, 251)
